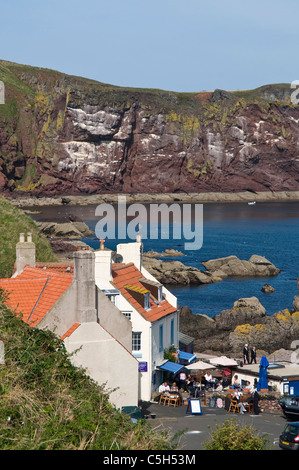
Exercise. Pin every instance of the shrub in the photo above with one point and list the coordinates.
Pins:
(231, 436)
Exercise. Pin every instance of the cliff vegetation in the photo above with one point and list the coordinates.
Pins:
(61, 134)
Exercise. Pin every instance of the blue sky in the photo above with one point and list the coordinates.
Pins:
(178, 45)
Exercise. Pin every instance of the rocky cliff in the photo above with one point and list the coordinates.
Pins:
(65, 135)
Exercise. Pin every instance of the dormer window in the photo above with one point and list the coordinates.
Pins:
(154, 287)
(140, 294)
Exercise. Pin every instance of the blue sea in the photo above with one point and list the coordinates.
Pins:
(267, 229)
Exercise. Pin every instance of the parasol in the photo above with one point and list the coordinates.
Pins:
(223, 361)
(263, 381)
(200, 365)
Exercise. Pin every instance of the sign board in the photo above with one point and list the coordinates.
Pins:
(194, 406)
(142, 367)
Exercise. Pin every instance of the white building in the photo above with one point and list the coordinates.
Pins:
(63, 298)
(150, 307)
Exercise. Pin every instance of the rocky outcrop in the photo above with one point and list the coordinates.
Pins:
(62, 134)
(71, 230)
(248, 310)
(277, 331)
(246, 322)
(175, 272)
(232, 266)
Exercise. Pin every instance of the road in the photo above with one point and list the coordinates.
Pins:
(196, 429)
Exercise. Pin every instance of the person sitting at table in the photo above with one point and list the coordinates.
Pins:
(174, 387)
(237, 394)
(247, 388)
(191, 385)
(224, 382)
(164, 387)
(208, 379)
(236, 383)
(219, 387)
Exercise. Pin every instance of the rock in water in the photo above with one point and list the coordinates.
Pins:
(256, 266)
(267, 289)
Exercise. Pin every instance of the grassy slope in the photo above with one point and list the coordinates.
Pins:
(13, 221)
(48, 404)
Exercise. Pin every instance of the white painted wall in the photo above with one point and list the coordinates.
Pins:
(106, 361)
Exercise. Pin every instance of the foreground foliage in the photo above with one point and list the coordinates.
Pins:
(232, 436)
(48, 404)
(13, 221)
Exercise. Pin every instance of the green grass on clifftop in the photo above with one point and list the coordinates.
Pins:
(14, 221)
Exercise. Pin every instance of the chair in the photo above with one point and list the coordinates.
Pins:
(234, 406)
(166, 400)
(174, 401)
(162, 399)
(248, 407)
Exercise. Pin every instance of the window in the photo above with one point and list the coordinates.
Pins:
(172, 331)
(127, 314)
(112, 298)
(161, 338)
(136, 342)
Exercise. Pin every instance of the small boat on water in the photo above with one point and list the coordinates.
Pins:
(251, 203)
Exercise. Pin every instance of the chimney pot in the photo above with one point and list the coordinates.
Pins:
(22, 237)
(29, 237)
(102, 245)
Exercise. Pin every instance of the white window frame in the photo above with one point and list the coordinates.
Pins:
(136, 343)
(127, 315)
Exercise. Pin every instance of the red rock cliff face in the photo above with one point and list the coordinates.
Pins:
(71, 136)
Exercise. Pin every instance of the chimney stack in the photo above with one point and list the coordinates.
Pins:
(84, 280)
(25, 253)
(132, 252)
(103, 271)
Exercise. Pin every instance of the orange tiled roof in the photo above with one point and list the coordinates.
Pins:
(70, 330)
(35, 291)
(128, 275)
(56, 267)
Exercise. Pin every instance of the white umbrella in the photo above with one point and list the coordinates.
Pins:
(223, 361)
(200, 365)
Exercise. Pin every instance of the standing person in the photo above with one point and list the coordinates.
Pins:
(246, 354)
(183, 380)
(253, 355)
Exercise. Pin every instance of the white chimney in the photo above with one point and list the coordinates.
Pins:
(103, 272)
(132, 252)
(25, 253)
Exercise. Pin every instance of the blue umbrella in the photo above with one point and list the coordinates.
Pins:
(263, 382)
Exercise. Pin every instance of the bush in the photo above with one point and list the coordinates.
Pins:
(231, 436)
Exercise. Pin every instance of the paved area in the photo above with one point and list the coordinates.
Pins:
(195, 429)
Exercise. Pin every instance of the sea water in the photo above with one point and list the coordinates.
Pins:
(266, 229)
